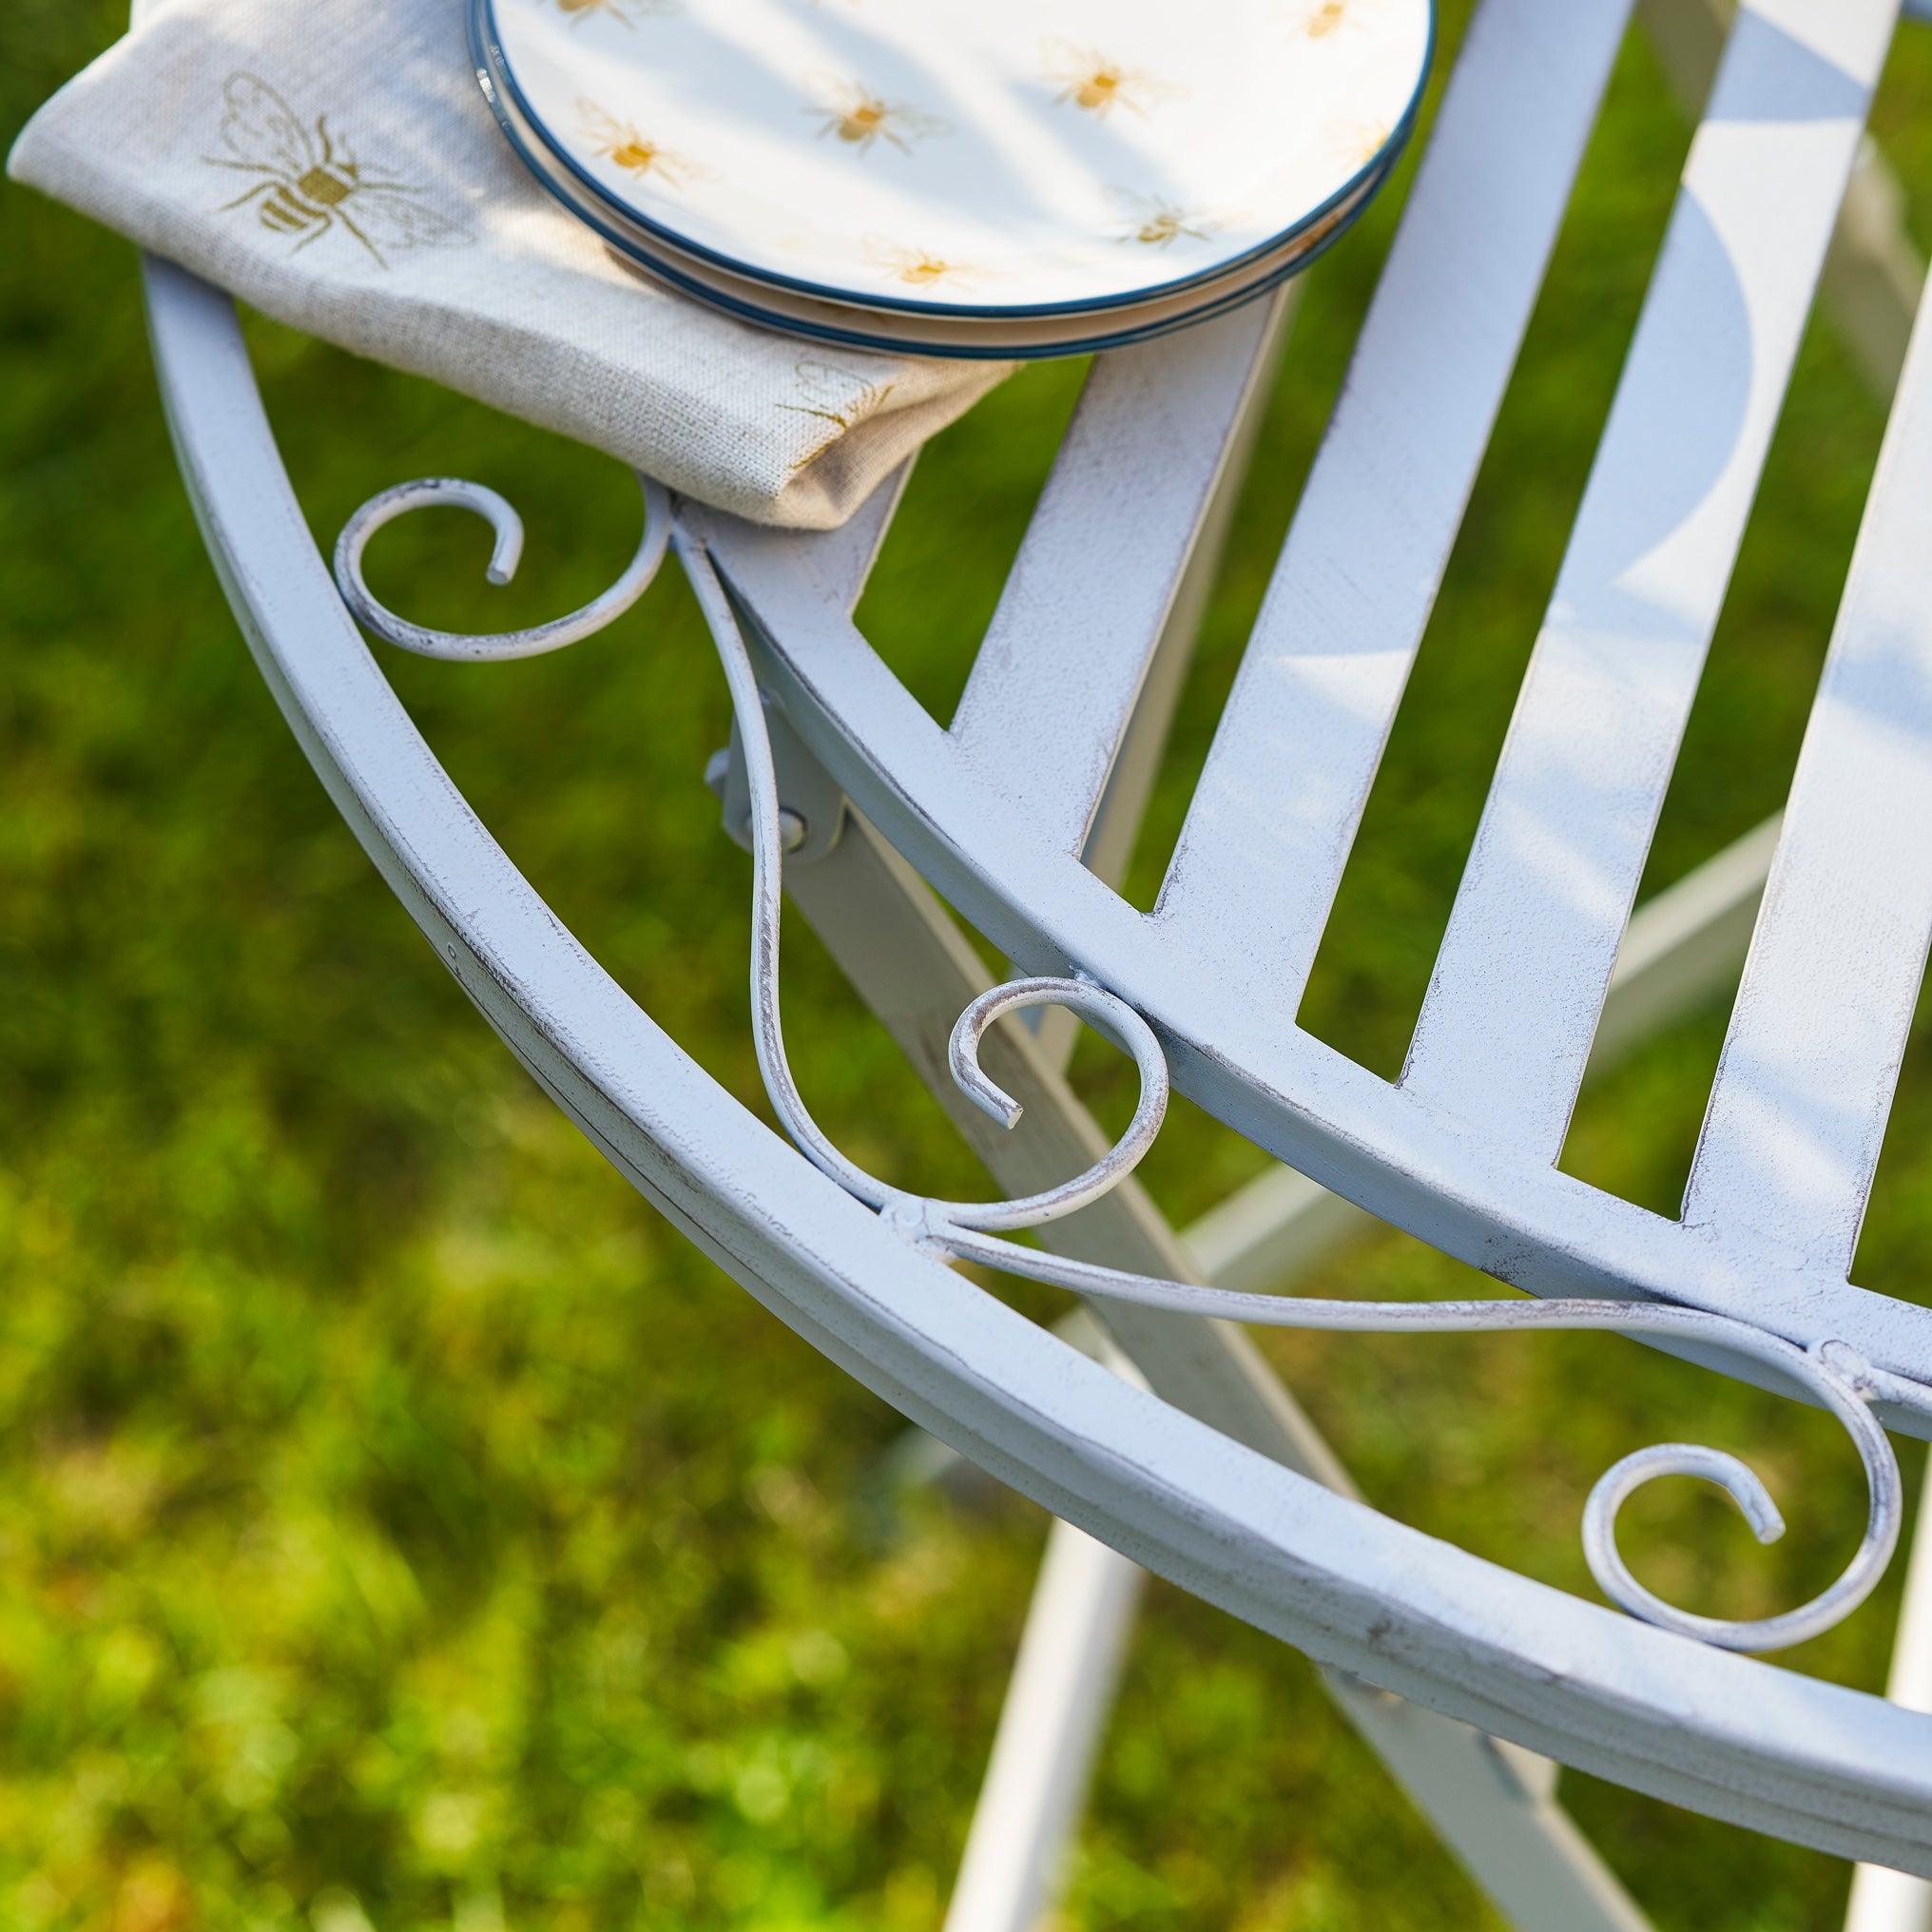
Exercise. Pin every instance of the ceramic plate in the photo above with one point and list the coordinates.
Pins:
(980, 335)
(992, 336)
(968, 158)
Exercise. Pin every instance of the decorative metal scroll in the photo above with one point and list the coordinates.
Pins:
(453, 493)
(1833, 1371)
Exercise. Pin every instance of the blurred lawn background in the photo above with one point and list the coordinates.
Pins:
(400, 1527)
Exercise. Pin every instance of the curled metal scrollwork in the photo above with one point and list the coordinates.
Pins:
(490, 647)
(1833, 1373)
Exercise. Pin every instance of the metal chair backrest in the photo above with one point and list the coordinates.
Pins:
(998, 809)
(1020, 810)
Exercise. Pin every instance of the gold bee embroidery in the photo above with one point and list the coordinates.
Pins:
(856, 115)
(1157, 223)
(828, 395)
(622, 146)
(312, 180)
(577, 11)
(1092, 82)
(918, 269)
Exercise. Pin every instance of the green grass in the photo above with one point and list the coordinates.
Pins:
(401, 1526)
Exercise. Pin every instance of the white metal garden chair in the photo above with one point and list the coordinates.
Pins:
(1178, 1448)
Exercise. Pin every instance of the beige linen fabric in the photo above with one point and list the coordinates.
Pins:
(336, 166)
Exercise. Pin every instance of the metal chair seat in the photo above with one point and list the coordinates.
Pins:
(1020, 811)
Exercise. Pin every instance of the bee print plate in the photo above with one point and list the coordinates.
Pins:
(963, 158)
(1073, 332)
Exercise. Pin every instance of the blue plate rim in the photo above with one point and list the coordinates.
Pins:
(493, 73)
(615, 239)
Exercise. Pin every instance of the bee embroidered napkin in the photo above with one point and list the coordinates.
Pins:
(337, 167)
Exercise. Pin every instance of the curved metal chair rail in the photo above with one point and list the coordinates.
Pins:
(1738, 1739)
(1007, 812)
(1832, 1373)
(998, 810)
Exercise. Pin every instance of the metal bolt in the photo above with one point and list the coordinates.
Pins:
(792, 828)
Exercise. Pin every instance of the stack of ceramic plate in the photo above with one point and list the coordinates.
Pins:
(961, 177)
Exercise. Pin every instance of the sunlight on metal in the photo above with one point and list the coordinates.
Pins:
(1834, 1373)
(453, 493)
(1202, 991)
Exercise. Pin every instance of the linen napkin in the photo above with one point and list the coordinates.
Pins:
(336, 166)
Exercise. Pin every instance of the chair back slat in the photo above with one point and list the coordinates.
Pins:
(842, 559)
(1507, 1023)
(1217, 967)
(1279, 800)
(1054, 687)
(1792, 1133)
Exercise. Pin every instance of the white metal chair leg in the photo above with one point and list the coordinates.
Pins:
(1883, 1900)
(1050, 1731)
(1494, 1803)
(1679, 950)
(916, 970)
